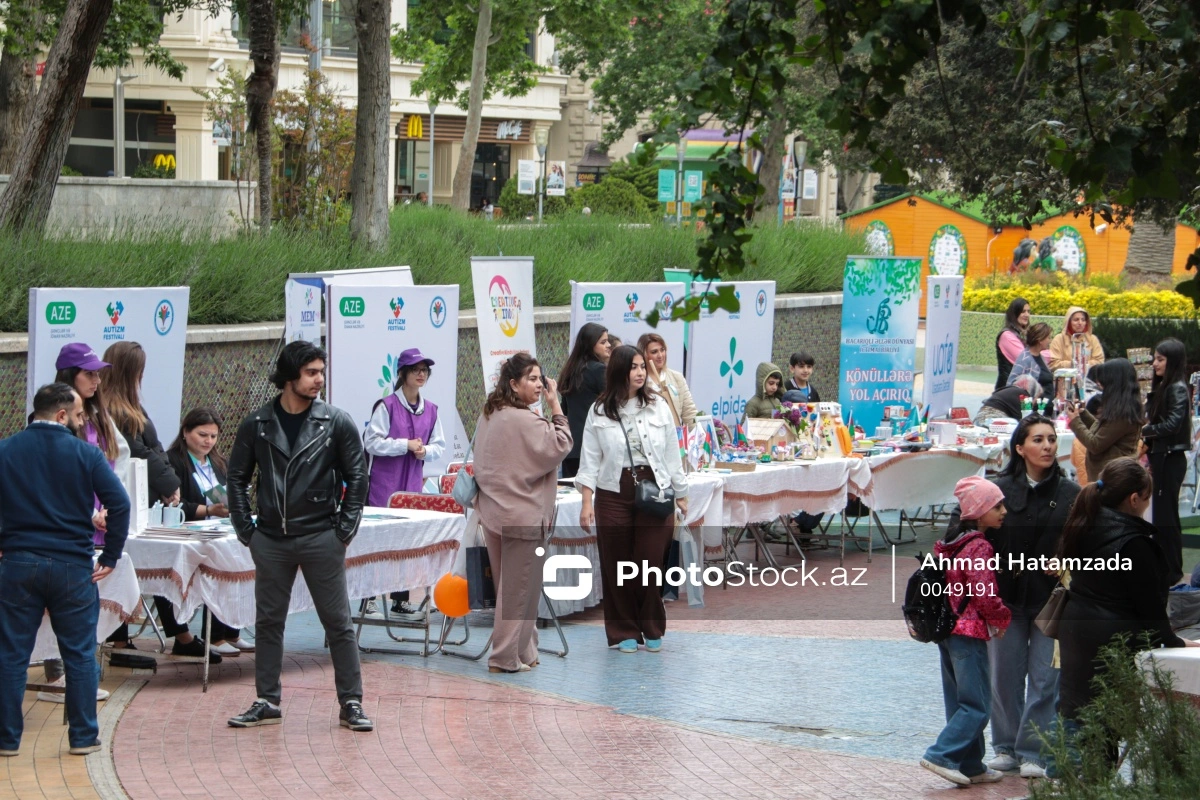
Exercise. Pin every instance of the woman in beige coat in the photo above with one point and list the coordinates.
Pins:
(1077, 330)
(667, 382)
(517, 453)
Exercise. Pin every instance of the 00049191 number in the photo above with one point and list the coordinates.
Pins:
(980, 589)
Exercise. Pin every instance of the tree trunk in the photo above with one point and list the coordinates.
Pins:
(25, 204)
(774, 150)
(1151, 252)
(369, 175)
(461, 198)
(260, 91)
(17, 86)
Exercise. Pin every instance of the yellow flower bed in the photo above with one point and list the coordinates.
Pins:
(1055, 300)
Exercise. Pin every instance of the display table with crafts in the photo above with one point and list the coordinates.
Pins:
(119, 598)
(393, 550)
(704, 519)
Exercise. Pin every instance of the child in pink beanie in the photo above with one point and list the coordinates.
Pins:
(966, 556)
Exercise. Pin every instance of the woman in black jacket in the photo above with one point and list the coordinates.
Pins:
(580, 383)
(122, 380)
(201, 470)
(1169, 437)
(1038, 496)
(1106, 521)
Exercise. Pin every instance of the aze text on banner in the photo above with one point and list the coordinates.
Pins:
(622, 307)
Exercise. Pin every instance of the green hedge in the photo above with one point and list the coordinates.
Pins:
(240, 279)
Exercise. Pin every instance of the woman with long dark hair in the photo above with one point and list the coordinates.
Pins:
(201, 469)
(1114, 431)
(517, 453)
(1038, 496)
(123, 377)
(1169, 437)
(1106, 521)
(629, 437)
(581, 381)
(1010, 341)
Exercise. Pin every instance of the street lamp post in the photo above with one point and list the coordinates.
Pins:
(801, 150)
(119, 123)
(680, 151)
(540, 137)
(433, 104)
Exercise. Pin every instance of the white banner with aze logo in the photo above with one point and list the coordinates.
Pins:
(622, 307)
(155, 318)
(504, 310)
(303, 293)
(726, 349)
(943, 317)
(370, 326)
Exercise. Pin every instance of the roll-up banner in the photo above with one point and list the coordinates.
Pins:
(303, 293)
(726, 349)
(155, 318)
(943, 316)
(880, 300)
(621, 307)
(369, 327)
(504, 310)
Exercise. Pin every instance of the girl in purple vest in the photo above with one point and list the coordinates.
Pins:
(404, 433)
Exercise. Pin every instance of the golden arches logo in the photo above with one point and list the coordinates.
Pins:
(166, 161)
(415, 127)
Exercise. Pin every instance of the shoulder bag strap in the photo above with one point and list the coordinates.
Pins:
(625, 433)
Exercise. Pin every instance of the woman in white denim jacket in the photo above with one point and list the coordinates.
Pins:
(633, 613)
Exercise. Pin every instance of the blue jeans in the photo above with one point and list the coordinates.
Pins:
(1024, 654)
(29, 585)
(968, 699)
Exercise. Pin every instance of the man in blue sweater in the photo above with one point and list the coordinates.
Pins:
(49, 479)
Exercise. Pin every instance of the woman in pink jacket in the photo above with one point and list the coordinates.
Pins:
(957, 755)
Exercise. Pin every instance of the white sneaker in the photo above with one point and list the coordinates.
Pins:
(952, 775)
(988, 776)
(55, 697)
(1031, 770)
(224, 649)
(243, 645)
(1004, 763)
(371, 610)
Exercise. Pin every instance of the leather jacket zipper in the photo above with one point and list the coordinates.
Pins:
(292, 460)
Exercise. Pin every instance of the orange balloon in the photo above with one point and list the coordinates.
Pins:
(450, 595)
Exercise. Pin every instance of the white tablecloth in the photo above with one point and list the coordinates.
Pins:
(394, 550)
(705, 515)
(911, 480)
(1182, 662)
(773, 489)
(119, 596)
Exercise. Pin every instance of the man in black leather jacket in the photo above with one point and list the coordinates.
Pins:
(303, 449)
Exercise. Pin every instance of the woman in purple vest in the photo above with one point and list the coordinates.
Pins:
(404, 433)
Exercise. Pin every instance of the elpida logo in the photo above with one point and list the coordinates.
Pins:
(550, 571)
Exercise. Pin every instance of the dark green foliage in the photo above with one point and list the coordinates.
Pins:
(1119, 335)
(613, 197)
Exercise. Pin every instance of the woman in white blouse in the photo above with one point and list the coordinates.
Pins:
(629, 436)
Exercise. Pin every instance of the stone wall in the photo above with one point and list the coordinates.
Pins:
(100, 206)
(226, 367)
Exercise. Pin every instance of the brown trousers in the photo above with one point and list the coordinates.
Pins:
(517, 571)
(623, 533)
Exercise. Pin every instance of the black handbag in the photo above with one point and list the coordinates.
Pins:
(481, 588)
(648, 496)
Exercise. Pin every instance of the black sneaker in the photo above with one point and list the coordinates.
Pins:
(352, 717)
(120, 658)
(402, 609)
(195, 649)
(259, 713)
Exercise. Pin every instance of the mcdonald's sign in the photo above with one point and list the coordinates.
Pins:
(415, 127)
(164, 160)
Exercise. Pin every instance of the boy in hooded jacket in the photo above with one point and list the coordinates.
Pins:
(768, 391)
(957, 755)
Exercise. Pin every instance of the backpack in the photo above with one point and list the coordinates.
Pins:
(926, 606)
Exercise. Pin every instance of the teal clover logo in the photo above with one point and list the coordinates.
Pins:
(731, 366)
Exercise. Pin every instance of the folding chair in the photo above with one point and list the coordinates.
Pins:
(456, 466)
(416, 501)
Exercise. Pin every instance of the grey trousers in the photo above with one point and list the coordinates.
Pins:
(321, 557)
